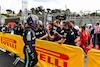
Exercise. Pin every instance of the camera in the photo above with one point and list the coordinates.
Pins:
(61, 17)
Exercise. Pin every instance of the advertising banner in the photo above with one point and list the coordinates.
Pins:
(52, 54)
(93, 58)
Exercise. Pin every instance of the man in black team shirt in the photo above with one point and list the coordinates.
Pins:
(69, 36)
(77, 38)
(41, 31)
(54, 28)
(46, 36)
(19, 30)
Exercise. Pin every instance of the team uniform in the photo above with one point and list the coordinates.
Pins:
(69, 37)
(19, 31)
(84, 36)
(43, 31)
(58, 30)
(37, 33)
(9, 29)
(51, 31)
(29, 37)
(15, 29)
(75, 32)
(29, 48)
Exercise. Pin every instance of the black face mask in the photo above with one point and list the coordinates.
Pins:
(54, 25)
(39, 25)
(6, 28)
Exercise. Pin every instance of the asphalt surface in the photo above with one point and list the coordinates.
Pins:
(6, 61)
(85, 62)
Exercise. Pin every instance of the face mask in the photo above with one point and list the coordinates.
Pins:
(55, 26)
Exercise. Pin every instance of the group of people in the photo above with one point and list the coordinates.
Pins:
(62, 32)
(66, 33)
(17, 29)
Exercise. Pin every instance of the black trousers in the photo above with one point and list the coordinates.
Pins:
(30, 58)
(95, 39)
(98, 35)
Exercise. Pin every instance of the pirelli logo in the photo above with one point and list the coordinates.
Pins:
(8, 42)
(52, 57)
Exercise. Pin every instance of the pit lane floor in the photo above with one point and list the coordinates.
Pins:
(6, 61)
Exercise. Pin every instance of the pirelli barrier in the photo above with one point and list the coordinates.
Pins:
(93, 58)
(50, 54)
(12, 43)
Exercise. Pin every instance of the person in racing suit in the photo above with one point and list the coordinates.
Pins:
(84, 36)
(29, 40)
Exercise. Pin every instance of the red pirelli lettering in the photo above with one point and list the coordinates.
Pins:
(61, 56)
(8, 42)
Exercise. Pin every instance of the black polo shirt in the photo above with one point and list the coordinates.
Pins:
(37, 33)
(58, 29)
(62, 31)
(69, 37)
(51, 31)
(75, 32)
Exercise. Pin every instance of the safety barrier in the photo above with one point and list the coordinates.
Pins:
(12, 43)
(50, 54)
(93, 58)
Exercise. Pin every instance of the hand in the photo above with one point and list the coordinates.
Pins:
(55, 33)
(3, 32)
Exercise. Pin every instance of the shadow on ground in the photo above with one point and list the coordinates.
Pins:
(6, 61)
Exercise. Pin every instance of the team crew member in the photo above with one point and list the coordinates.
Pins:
(29, 39)
(62, 31)
(46, 36)
(84, 36)
(37, 33)
(69, 36)
(77, 38)
(56, 29)
(19, 30)
(15, 28)
(9, 29)
(74, 25)
(44, 32)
